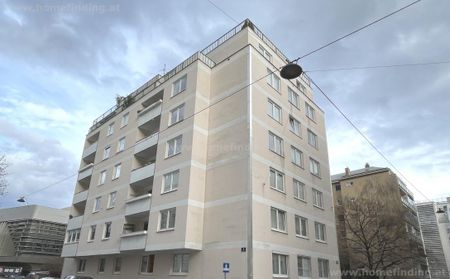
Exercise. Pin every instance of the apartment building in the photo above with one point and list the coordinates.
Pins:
(218, 161)
(31, 239)
(434, 219)
(383, 185)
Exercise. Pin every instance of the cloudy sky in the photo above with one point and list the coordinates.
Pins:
(63, 62)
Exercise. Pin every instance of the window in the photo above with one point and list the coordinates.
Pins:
(121, 145)
(177, 114)
(321, 234)
(179, 85)
(301, 87)
(92, 232)
(107, 232)
(273, 80)
(117, 265)
(73, 236)
(276, 144)
(171, 181)
(276, 180)
(299, 190)
(174, 146)
(304, 266)
(101, 265)
(180, 263)
(312, 139)
(297, 156)
(106, 152)
(147, 263)
(279, 265)
(274, 110)
(294, 126)
(102, 177)
(293, 97)
(167, 219)
(110, 129)
(278, 219)
(81, 265)
(317, 198)
(314, 167)
(265, 53)
(310, 113)
(301, 226)
(117, 169)
(112, 199)
(97, 204)
(125, 118)
(324, 268)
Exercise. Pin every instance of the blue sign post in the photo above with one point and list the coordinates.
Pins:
(226, 269)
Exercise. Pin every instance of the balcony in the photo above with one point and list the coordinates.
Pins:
(408, 203)
(138, 205)
(75, 222)
(149, 113)
(85, 173)
(69, 250)
(133, 241)
(80, 197)
(146, 146)
(89, 153)
(143, 176)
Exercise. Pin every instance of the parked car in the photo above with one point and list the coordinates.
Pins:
(77, 277)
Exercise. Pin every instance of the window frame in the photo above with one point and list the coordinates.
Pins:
(313, 140)
(149, 264)
(273, 147)
(317, 198)
(314, 167)
(110, 129)
(177, 142)
(297, 184)
(300, 226)
(273, 78)
(277, 174)
(101, 265)
(81, 266)
(125, 119)
(265, 53)
(102, 177)
(323, 268)
(310, 112)
(117, 171)
(106, 152)
(294, 152)
(183, 263)
(112, 199)
(91, 234)
(179, 110)
(117, 263)
(271, 107)
(301, 270)
(279, 263)
(171, 213)
(293, 98)
(278, 213)
(172, 186)
(121, 144)
(181, 83)
(320, 232)
(294, 125)
(107, 230)
(97, 204)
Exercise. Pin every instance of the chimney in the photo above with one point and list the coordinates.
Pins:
(367, 166)
(347, 171)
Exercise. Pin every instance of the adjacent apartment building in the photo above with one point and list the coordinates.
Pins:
(434, 219)
(218, 161)
(31, 239)
(388, 192)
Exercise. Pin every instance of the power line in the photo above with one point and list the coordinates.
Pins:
(356, 31)
(365, 137)
(378, 66)
(225, 13)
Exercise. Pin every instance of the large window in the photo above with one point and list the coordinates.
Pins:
(97, 204)
(110, 129)
(117, 265)
(101, 265)
(117, 169)
(179, 85)
(121, 145)
(92, 230)
(293, 97)
(278, 219)
(310, 112)
(312, 139)
(177, 114)
(171, 181)
(276, 180)
(279, 265)
(273, 80)
(81, 267)
(147, 263)
(274, 110)
(294, 126)
(112, 199)
(304, 266)
(125, 118)
(314, 167)
(301, 226)
(102, 177)
(317, 198)
(299, 190)
(73, 236)
(180, 263)
(174, 146)
(106, 152)
(167, 219)
(107, 230)
(276, 144)
(324, 268)
(321, 233)
(297, 156)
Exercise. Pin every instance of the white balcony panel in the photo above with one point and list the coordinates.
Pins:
(80, 197)
(89, 150)
(69, 250)
(142, 173)
(146, 143)
(149, 113)
(138, 205)
(75, 223)
(133, 241)
(85, 172)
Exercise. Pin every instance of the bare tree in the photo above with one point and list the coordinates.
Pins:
(377, 241)
(3, 167)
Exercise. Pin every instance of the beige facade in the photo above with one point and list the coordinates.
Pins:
(207, 174)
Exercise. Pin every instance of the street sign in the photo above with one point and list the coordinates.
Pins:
(226, 267)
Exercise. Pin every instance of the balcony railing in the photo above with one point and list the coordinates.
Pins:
(80, 197)
(69, 250)
(90, 150)
(406, 201)
(85, 172)
(142, 173)
(75, 222)
(133, 241)
(149, 113)
(138, 205)
(146, 143)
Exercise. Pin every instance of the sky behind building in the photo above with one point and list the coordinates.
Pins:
(63, 63)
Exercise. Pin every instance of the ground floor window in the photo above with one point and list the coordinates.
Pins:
(180, 263)
(81, 265)
(279, 264)
(147, 263)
